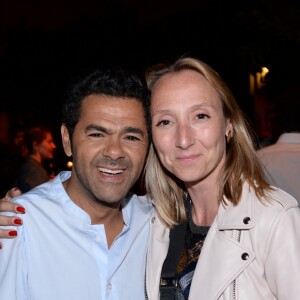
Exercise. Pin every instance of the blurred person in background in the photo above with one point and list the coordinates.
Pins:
(40, 146)
(282, 158)
(6, 162)
(12, 150)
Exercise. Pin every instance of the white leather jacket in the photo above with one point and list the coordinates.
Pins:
(251, 252)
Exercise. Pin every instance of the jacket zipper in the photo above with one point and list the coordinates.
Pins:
(145, 282)
(234, 281)
(146, 296)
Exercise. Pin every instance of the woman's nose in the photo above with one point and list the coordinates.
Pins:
(185, 136)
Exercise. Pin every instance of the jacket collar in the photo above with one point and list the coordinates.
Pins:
(238, 217)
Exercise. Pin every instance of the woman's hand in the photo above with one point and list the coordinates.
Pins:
(7, 206)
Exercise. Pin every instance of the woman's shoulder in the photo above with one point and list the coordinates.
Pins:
(283, 198)
(275, 198)
(277, 205)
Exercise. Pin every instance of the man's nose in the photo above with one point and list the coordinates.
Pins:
(113, 149)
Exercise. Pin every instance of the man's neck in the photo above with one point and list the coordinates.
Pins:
(109, 215)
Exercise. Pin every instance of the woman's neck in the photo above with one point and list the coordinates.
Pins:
(205, 203)
(37, 157)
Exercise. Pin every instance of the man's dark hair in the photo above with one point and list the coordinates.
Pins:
(114, 82)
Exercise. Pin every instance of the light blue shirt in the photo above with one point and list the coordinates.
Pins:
(59, 255)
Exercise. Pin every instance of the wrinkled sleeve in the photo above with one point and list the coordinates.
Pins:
(282, 267)
(13, 268)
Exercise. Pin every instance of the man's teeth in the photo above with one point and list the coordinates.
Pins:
(104, 170)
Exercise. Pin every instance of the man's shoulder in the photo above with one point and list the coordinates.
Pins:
(34, 197)
(144, 201)
(140, 202)
(51, 190)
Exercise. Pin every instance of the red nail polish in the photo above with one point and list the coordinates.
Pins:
(13, 233)
(18, 221)
(21, 209)
(0, 246)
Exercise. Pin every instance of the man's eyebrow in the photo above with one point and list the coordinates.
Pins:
(134, 130)
(98, 128)
(128, 129)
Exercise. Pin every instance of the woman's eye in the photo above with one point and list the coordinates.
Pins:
(163, 123)
(202, 116)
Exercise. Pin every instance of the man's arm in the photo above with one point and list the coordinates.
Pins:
(7, 206)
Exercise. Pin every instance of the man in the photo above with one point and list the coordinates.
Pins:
(282, 159)
(84, 235)
(282, 163)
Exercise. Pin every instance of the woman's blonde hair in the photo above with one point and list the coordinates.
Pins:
(241, 163)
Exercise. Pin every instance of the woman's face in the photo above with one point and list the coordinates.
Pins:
(188, 126)
(46, 147)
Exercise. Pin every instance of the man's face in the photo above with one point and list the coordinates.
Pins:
(109, 147)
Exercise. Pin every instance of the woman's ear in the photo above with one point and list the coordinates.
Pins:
(65, 136)
(229, 128)
(229, 131)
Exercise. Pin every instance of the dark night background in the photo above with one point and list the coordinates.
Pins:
(44, 45)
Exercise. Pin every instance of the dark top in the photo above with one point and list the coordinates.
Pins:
(30, 175)
(194, 239)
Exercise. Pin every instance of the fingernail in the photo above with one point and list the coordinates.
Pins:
(13, 233)
(21, 209)
(18, 221)
(0, 246)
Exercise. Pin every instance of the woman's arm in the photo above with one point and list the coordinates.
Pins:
(7, 206)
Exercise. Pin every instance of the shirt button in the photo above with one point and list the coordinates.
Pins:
(109, 286)
(98, 240)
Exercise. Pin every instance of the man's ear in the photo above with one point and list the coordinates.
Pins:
(65, 136)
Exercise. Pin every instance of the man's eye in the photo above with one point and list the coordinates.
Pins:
(96, 134)
(163, 123)
(132, 138)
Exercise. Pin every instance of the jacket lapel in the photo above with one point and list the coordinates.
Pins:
(219, 264)
(222, 257)
(157, 252)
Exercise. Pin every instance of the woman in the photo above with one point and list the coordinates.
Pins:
(242, 237)
(40, 146)
(248, 230)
